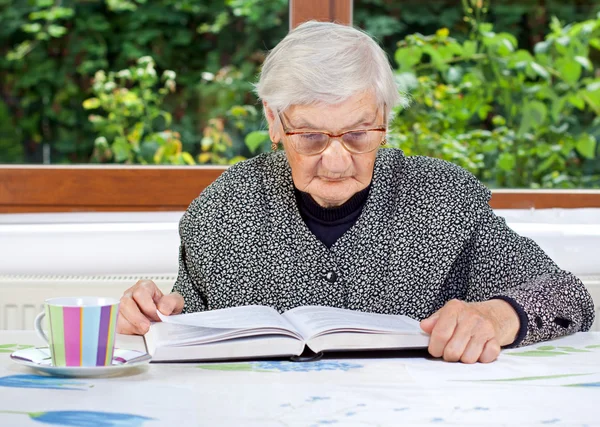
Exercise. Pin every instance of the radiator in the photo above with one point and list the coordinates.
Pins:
(22, 296)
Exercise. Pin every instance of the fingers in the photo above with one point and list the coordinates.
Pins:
(464, 334)
(131, 318)
(490, 352)
(473, 349)
(146, 294)
(461, 332)
(428, 324)
(137, 306)
(171, 304)
(125, 327)
(443, 329)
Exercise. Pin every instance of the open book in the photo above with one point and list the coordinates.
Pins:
(259, 332)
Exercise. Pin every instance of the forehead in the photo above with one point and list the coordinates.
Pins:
(360, 109)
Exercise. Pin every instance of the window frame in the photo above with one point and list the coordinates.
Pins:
(84, 188)
(28, 189)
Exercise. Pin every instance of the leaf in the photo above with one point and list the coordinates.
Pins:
(534, 115)
(121, 149)
(506, 162)
(569, 70)
(32, 28)
(469, 48)
(435, 57)
(561, 129)
(159, 154)
(91, 103)
(594, 86)
(558, 107)
(585, 63)
(167, 116)
(455, 48)
(57, 31)
(542, 47)
(505, 47)
(546, 347)
(576, 101)
(592, 98)
(238, 111)
(520, 59)
(563, 40)
(454, 75)
(540, 70)
(546, 164)
(442, 33)
(188, 158)
(135, 135)
(255, 139)
(204, 157)
(236, 159)
(484, 111)
(586, 146)
(407, 57)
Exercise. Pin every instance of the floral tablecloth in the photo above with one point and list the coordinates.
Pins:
(554, 383)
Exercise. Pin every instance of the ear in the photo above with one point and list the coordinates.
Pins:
(274, 125)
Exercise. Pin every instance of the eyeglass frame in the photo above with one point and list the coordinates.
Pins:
(288, 132)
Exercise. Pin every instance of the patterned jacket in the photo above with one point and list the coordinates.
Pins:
(426, 235)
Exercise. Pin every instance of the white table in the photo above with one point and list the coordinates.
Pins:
(555, 383)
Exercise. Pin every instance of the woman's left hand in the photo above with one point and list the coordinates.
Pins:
(471, 332)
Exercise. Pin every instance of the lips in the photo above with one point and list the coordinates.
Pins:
(333, 179)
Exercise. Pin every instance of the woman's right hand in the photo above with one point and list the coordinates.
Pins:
(139, 304)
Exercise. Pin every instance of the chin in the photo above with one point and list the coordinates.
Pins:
(335, 199)
(335, 193)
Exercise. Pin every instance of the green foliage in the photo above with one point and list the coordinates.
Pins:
(52, 49)
(134, 129)
(485, 98)
(513, 118)
(9, 146)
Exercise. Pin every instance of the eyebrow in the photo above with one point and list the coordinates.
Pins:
(302, 124)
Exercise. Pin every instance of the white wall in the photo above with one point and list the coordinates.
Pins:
(147, 242)
(46, 255)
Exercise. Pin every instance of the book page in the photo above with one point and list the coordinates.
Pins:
(228, 322)
(176, 334)
(312, 321)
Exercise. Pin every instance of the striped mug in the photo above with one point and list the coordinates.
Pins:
(81, 330)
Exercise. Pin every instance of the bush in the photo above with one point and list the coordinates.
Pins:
(513, 118)
(52, 50)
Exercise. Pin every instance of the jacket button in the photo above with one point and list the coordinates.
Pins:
(331, 276)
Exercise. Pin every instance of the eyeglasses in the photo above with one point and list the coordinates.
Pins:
(356, 141)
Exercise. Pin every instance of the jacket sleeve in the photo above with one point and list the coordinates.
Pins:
(503, 265)
(188, 282)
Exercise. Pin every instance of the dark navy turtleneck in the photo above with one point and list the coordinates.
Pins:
(329, 224)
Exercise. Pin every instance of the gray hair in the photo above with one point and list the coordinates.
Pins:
(329, 63)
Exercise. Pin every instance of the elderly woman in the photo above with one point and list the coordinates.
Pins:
(335, 220)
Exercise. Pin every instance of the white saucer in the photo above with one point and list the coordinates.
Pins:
(40, 360)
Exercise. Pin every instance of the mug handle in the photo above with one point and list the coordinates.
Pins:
(38, 326)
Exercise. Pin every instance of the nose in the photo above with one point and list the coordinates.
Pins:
(336, 159)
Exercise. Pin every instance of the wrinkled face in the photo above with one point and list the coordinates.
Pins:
(335, 175)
